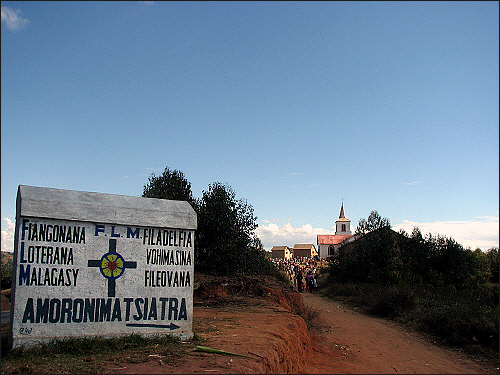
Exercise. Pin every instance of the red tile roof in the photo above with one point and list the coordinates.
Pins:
(332, 239)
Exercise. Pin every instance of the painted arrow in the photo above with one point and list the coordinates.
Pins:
(171, 326)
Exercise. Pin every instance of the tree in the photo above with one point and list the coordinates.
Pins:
(225, 240)
(374, 222)
(170, 185)
(370, 258)
(225, 233)
(493, 263)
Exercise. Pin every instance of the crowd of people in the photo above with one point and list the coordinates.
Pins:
(302, 272)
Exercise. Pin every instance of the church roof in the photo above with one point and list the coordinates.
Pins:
(303, 246)
(343, 219)
(332, 239)
(279, 248)
(342, 212)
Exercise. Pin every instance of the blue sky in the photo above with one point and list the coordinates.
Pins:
(388, 106)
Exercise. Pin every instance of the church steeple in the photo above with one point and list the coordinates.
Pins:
(342, 212)
(343, 224)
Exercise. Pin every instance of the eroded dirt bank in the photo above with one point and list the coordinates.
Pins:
(255, 320)
(241, 315)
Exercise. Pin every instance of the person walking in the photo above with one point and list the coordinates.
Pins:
(295, 273)
(315, 281)
(309, 281)
(299, 281)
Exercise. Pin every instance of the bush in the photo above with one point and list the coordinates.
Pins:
(370, 258)
(461, 318)
(393, 302)
(6, 271)
(307, 313)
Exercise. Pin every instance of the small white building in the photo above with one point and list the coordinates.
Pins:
(328, 244)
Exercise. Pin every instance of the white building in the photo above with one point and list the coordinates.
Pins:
(328, 244)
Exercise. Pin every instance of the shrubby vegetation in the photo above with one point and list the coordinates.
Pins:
(431, 283)
(225, 241)
(374, 222)
(388, 257)
(6, 272)
(169, 185)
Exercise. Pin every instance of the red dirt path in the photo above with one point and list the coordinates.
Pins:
(246, 318)
(364, 344)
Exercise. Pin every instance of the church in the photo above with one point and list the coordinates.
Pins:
(328, 244)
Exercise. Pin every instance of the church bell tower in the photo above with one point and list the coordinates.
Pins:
(343, 224)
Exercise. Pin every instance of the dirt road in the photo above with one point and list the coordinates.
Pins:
(342, 341)
(364, 344)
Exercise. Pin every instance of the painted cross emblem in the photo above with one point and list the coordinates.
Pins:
(112, 265)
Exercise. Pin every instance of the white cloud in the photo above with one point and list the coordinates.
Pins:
(8, 236)
(12, 19)
(481, 232)
(286, 235)
(269, 221)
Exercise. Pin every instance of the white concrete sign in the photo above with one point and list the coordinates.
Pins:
(91, 264)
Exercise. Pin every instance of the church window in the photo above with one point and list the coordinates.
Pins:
(331, 250)
(343, 228)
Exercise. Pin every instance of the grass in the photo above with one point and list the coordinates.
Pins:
(465, 320)
(87, 355)
(307, 313)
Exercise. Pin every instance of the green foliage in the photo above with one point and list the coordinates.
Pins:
(225, 241)
(170, 185)
(440, 261)
(393, 302)
(384, 256)
(460, 317)
(493, 264)
(428, 282)
(368, 259)
(374, 222)
(6, 271)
